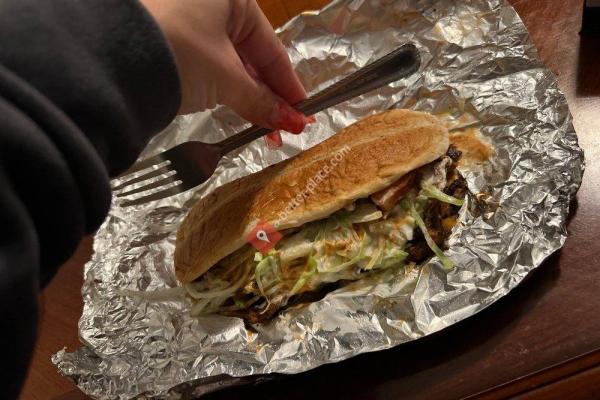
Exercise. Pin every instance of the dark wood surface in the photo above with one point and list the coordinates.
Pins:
(540, 342)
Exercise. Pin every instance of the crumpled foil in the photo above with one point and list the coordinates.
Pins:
(477, 60)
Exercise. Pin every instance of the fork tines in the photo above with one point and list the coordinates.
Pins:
(147, 177)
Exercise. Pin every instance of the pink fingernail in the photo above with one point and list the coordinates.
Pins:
(274, 140)
(286, 118)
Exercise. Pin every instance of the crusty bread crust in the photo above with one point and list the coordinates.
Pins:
(369, 156)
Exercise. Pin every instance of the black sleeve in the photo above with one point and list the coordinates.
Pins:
(83, 86)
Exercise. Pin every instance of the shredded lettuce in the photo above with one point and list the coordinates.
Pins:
(365, 212)
(377, 255)
(342, 266)
(222, 291)
(393, 258)
(200, 307)
(446, 262)
(331, 264)
(433, 192)
(311, 269)
(267, 264)
(340, 223)
(296, 247)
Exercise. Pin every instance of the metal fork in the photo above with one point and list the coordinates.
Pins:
(190, 164)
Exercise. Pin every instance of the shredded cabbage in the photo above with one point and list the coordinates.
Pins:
(433, 192)
(332, 265)
(311, 269)
(377, 255)
(366, 212)
(223, 292)
(446, 262)
(342, 266)
(296, 247)
(199, 307)
(393, 258)
(266, 264)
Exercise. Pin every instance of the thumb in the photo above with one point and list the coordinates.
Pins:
(256, 102)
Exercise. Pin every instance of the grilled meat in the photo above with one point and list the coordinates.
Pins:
(387, 198)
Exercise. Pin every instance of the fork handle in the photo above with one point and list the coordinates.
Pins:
(398, 64)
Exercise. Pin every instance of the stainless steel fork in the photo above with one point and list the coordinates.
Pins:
(189, 164)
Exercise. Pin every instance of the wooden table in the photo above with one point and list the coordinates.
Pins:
(540, 342)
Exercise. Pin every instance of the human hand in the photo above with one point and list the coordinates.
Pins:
(227, 53)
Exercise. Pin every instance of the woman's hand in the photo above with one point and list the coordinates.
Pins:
(227, 53)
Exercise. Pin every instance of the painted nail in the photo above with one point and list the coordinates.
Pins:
(284, 117)
(273, 140)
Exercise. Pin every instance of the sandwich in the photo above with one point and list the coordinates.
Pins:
(381, 195)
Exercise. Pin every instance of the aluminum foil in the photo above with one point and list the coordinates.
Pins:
(477, 61)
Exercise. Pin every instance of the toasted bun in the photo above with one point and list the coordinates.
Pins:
(361, 159)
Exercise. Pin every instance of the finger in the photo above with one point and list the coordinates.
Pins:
(253, 100)
(258, 45)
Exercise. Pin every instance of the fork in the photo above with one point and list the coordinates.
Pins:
(190, 164)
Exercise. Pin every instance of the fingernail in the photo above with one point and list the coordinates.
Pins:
(284, 117)
(311, 120)
(273, 140)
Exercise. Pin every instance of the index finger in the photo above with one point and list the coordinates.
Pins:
(258, 46)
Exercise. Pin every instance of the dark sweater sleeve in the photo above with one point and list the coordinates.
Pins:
(83, 87)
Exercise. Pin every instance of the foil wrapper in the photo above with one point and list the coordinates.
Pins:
(477, 61)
